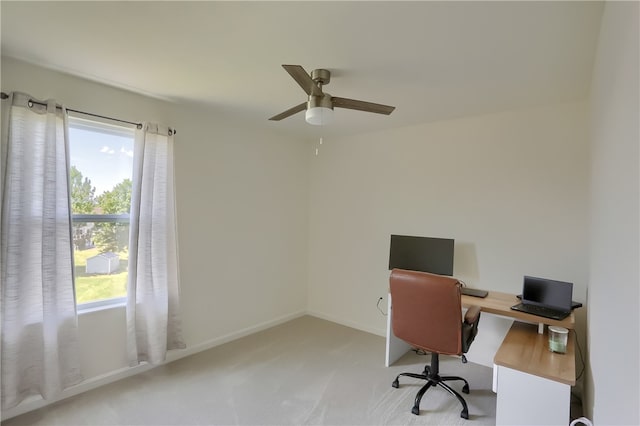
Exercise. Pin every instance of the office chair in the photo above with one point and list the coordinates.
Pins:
(427, 313)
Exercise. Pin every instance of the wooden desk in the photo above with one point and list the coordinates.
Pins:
(533, 384)
(500, 304)
(496, 303)
(525, 350)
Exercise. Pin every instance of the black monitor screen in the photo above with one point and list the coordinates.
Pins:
(426, 254)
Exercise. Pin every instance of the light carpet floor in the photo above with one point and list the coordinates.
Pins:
(305, 372)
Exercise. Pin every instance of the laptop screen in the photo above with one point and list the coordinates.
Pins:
(549, 293)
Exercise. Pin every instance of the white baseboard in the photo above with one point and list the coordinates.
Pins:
(347, 323)
(35, 402)
(175, 355)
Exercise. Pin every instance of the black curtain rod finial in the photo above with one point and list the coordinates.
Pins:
(3, 95)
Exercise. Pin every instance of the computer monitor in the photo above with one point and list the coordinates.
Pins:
(426, 254)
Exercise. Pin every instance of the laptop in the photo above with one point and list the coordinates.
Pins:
(545, 298)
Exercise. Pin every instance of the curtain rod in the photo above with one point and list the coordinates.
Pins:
(3, 95)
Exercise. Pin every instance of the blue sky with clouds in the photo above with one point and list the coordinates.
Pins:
(105, 159)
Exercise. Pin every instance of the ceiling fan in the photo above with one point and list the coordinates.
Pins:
(319, 107)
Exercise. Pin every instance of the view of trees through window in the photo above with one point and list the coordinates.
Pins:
(101, 169)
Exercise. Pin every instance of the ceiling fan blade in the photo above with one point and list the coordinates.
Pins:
(304, 80)
(362, 105)
(289, 112)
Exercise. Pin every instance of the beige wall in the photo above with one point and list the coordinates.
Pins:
(613, 375)
(242, 217)
(510, 188)
(242, 197)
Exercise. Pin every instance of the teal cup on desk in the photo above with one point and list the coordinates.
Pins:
(558, 337)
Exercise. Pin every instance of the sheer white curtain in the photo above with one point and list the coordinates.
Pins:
(39, 323)
(153, 321)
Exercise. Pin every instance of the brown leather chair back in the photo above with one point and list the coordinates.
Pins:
(426, 311)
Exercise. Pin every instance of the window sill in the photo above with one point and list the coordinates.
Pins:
(118, 302)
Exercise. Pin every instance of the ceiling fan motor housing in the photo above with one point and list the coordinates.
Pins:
(321, 76)
(323, 101)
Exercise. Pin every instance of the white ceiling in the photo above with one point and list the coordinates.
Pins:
(432, 60)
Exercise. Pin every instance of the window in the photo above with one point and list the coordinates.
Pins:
(101, 172)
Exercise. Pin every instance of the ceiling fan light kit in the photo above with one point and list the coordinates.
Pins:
(319, 107)
(319, 116)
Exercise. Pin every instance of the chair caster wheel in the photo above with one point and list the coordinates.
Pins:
(415, 410)
(465, 388)
(464, 414)
(395, 384)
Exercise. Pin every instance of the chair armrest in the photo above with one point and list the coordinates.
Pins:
(470, 327)
(472, 315)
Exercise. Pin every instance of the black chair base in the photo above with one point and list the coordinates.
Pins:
(433, 378)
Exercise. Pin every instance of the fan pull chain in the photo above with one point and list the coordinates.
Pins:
(318, 147)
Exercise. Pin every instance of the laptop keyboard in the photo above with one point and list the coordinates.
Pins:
(544, 312)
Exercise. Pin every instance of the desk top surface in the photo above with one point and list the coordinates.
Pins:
(524, 349)
(500, 304)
